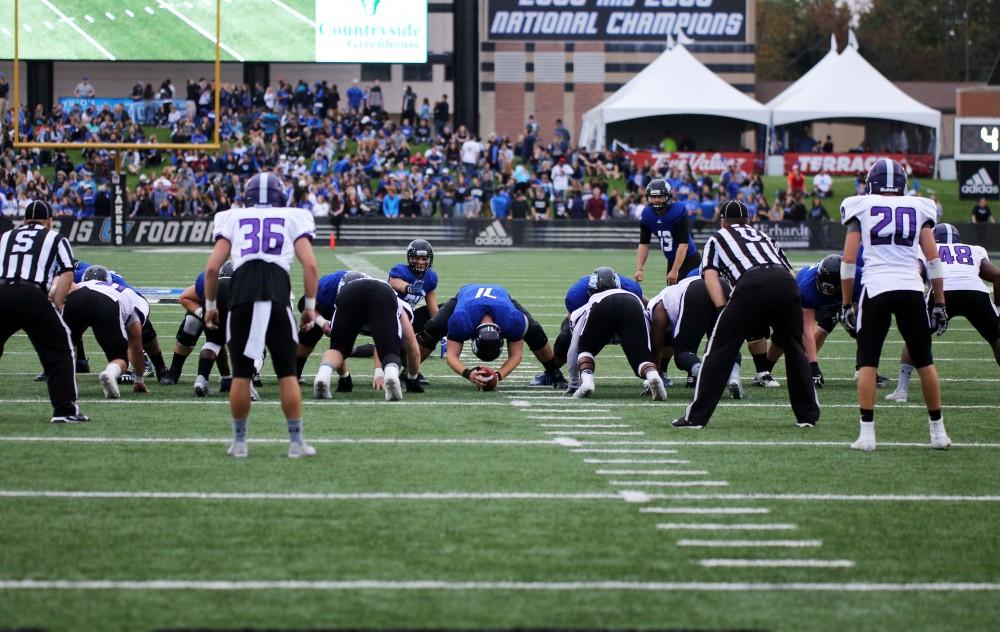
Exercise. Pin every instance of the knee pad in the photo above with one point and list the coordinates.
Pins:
(188, 332)
(212, 347)
(426, 340)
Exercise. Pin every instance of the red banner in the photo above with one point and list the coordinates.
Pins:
(710, 161)
(852, 164)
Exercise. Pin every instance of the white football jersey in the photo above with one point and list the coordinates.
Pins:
(578, 319)
(672, 297)
(131, 306)
(890, 234)
(264, 233)
(961, 266)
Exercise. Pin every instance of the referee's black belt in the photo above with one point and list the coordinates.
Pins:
(25, 282)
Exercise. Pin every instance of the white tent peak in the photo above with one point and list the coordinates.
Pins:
(833, 42)
(647, 94)
(852, 40)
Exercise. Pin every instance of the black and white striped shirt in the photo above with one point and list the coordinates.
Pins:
(33, 254)
(736, 249)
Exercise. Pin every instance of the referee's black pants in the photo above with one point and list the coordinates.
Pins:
(763, 296)
(27, 307)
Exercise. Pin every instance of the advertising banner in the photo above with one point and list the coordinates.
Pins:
(617, 20)
(978, 179)
(386, 31)
(710, 161)
(853, 164)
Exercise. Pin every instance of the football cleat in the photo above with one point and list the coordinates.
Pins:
(393, 389)
(412, 386)
(345, 384)
(898, 396)
(201, 386)
(362, 351)
(41, 377)
(127, 378)
(939, 438)
(572, 386)
(237, 449)
(690, 381)
(865, 444)
(83, 366)
(881, 381)
(167, 380)
(321, 390)
(256, 381)
(109, 385)
(422, 380)
(681, 422)
(225, 384)
(70, 419)
(254, 395)
(299, 450)
(764, 379)
(558, 380)
(805, 424)
(585, 390)
(542, 379)
(656, 388)
(736, 390)
(147, 370)
(667, 382)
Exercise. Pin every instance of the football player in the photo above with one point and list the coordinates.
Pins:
(680, 317)
(612, 312)
(965, 269)
(116, 314)
(487, 315)
(263, 237)
(326, 298)
(669, 223)
(576, 297)
(367, 303)
(416, 281)
(894, 229)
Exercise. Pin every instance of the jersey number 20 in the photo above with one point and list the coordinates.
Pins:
(904, 231)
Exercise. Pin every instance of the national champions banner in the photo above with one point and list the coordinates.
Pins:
(617, 20)
(853, 164)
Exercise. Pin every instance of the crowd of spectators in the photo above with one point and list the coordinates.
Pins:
(347, 157)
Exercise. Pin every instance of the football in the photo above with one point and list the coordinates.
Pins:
(490, 378)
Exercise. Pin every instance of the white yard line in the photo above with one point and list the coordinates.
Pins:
(317, 440)
(573, 417)
(505, 586)
(210, 36)
(751, 544)
(637, 461)
(582, 425)
(635, 484)
(727, 526)
(359, 263)
(729, 563)
(710, 511)
(73, 25)
(593, 433)
(620, 451)
(297, 496)
(294, 13)
(917, 498)
(652, 472)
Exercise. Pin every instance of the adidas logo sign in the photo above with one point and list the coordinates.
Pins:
(980, 183)
(494, 235)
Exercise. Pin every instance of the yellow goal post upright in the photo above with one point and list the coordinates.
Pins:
(118, 210)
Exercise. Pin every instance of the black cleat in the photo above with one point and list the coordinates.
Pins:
(256, 380)
(681, 422)
(412, 386)
(362, 351)
(225, 383)
(690, 381)
(345, 384)
(167, 380)
(423, 381)
(41, 377)
(83, 366)
(70, 419)
(559, 381)
(881, 381)
(126, 378)
(805, 424)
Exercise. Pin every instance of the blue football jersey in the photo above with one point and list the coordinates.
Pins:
(403, 271)
(199, 286)
(477, 300)
(81, 268)
(812, 298)
(661, 227)
(577, 296)
(326, 295)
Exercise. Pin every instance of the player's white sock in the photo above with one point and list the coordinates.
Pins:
(324, 373)
(867, 430)
(587, 379)
(696, 369)
(905, 371)
(113, 370)
(391, 371)
(734, 375)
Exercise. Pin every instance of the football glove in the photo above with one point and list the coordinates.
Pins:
(417, 288)
(817, 376)
(849, 319)
(939, 318)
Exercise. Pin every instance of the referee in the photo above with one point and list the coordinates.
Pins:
(764, 293)
(33, 259)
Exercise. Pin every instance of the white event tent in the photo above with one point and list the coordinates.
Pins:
(675, 83)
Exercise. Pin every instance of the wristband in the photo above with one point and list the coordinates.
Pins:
(847, 270)
(210, 305)
(466, 373)
(934, 269)
(310, 303)
(139, 377)
(321, 321)
(379, 373)
(199, 313)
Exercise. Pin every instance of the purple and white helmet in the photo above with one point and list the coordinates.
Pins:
(264, 189)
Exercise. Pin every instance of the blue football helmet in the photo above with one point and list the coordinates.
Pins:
(886, 176)
(97, 273)
(487, 342)
(226, 271)
(349, 277)
(946, 234)
(264, 189)
(603, 278)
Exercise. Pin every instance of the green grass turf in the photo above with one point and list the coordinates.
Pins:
(366, 446)
(162, 34)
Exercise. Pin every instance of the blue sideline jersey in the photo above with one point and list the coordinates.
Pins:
(477, 300)
(326, 295)
(403, 271)
(577, 296)
(671, 229)
(81, 268)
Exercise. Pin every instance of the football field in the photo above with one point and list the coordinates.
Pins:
(518, 508)
(151, 30)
